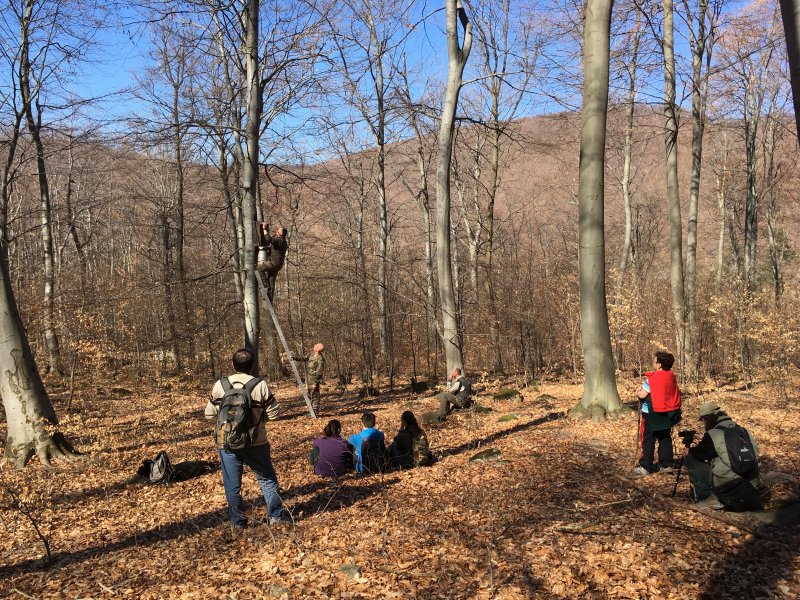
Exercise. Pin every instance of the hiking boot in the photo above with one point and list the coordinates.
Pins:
(666, 469)
(273, 521)
(640, 471)
(709, 502)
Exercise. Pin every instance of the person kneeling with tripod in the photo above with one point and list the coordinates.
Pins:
(724, 462)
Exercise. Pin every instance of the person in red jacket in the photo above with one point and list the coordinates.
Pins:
(661, 410)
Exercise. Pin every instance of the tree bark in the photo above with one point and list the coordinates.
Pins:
(775, 245)
(721, 182)
(34, 123)
(627, 244)
(25, 400)
(790, 13)
(673, 195)
(702, 46)
(457, 58)
(600, 395)
(384, 326)
(250, 173)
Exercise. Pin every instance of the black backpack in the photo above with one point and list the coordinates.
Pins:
(373, 455)
(741, 454)
(235, 428)
(159, 470)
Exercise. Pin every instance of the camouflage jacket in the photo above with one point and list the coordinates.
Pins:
(315, 368)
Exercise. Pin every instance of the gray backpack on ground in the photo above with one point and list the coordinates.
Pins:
(235, 427)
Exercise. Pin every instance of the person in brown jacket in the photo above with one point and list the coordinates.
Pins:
(271, 255)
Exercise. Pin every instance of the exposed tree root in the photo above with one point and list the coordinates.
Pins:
(598, 413)
(46, 448)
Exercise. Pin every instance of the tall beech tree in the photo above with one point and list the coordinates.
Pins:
(457, 55)
(673, 194)
(790, 13)
(25, 400)
(600, 395)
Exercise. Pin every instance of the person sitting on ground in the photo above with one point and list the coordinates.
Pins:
(271, 255)
(332, 455)
(459, 393)
(661, 410)
(410, 446)
(711, 470)
(369, 446)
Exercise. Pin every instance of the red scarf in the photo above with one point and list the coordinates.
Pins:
(664, 391)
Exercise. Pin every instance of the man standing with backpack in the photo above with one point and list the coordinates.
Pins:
(725, 462)
(241, 405)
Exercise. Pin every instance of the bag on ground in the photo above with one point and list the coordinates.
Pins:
(159, 470)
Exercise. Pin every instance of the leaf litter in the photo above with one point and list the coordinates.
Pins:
(557, 517)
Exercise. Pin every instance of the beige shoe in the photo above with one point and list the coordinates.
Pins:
(710, 502)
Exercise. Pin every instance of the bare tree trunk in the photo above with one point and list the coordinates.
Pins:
(8, 172)
(27, 406)
(169, 295)
(34, 127)
(384, 326)
(600, 395)
(775, 252)
(790, 13)
(699, 43)
(369, 344)
(722, 220)
(250, 304)
(73, 218)
(673, 195)
(494, 319)
(457, 59)
(627, 244)
(751, 207)
(736, 252)
(180, 216)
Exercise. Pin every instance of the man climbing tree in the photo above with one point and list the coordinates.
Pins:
(271, 255)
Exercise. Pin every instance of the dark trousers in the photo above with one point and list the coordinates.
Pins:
(737, 495)
(700, 476)
(269, 274)
(648, 438)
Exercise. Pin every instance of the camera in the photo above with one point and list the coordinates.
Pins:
(687, 436)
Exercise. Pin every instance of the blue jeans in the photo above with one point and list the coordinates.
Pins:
(258, 459)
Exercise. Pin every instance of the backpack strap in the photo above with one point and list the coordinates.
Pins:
(226, 384)
(249, 387)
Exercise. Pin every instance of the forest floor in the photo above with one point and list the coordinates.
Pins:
(555, 517)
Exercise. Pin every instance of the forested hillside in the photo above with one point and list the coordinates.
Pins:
(121, 303)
